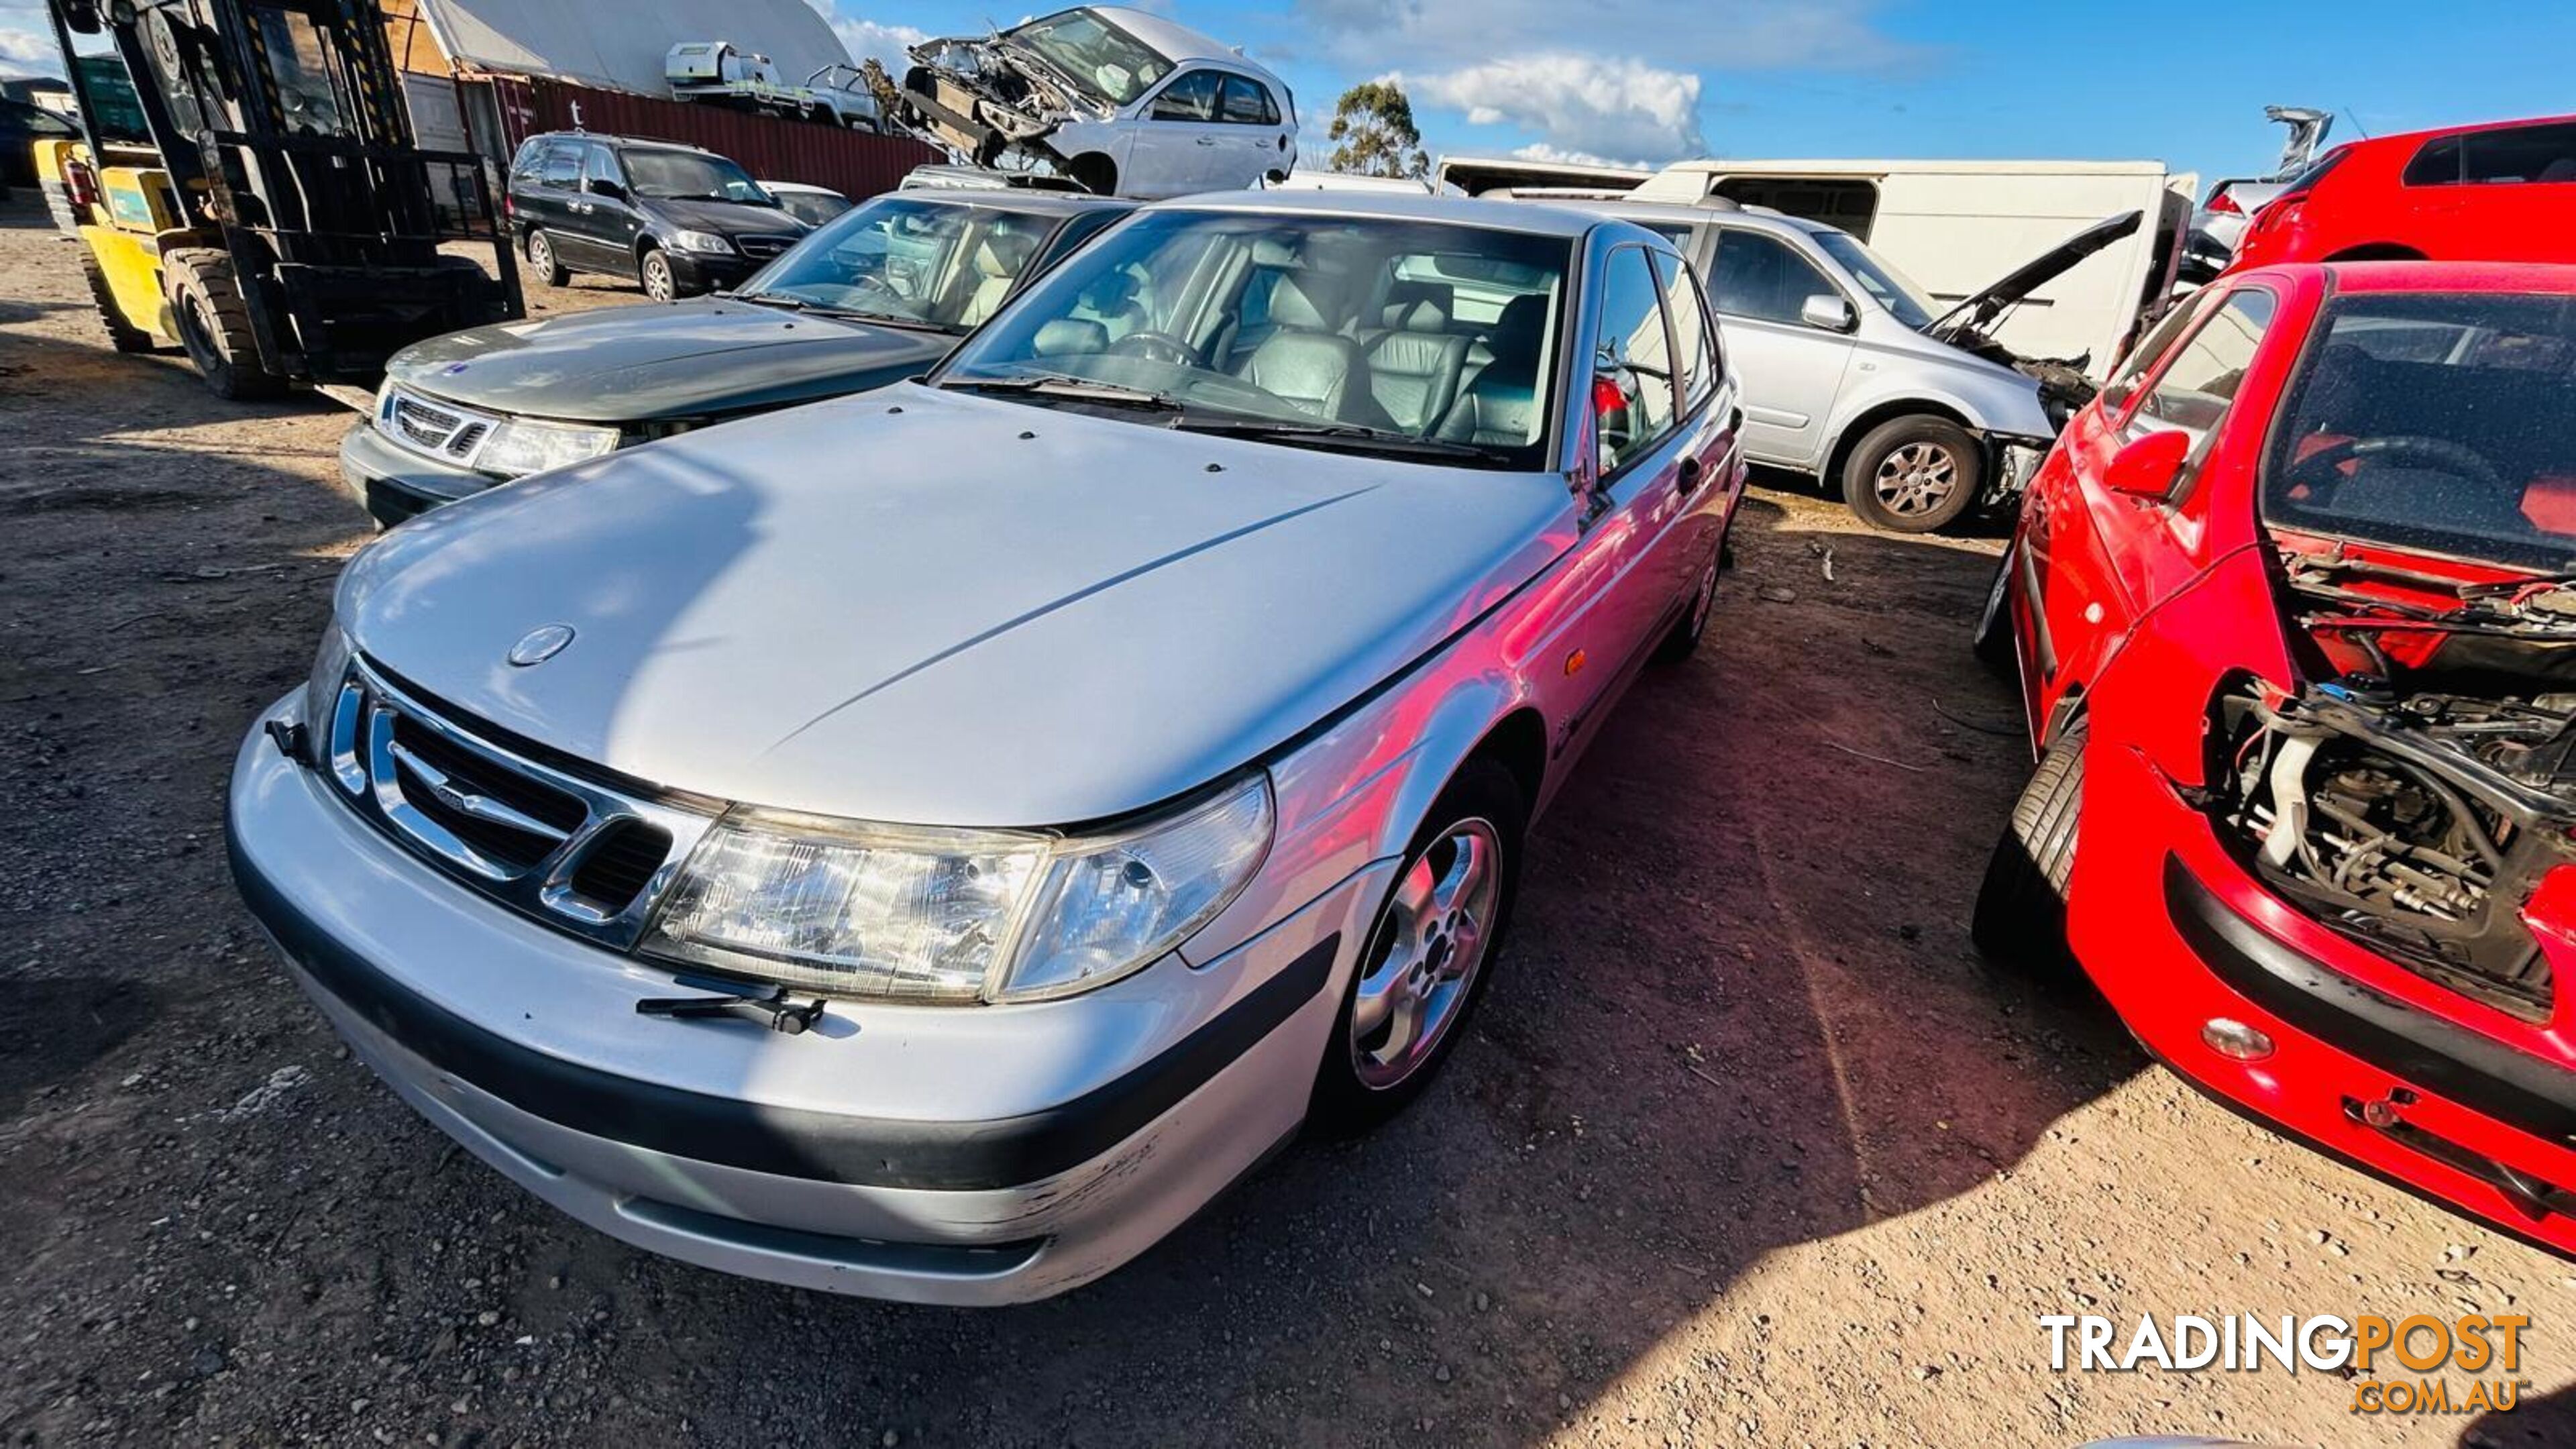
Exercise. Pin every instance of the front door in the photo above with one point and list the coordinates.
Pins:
(1792, 370)
(1181, 146)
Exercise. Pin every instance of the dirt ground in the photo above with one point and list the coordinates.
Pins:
(1748, 1146)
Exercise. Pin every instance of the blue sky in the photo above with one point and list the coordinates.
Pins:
(1648, 80)
(1652, 79)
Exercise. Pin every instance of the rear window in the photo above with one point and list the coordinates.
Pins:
(2508, 156)
(2440, 421)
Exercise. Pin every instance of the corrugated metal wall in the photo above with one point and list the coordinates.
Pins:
(851, 162)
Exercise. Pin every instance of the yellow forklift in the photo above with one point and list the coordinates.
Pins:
(248, 188)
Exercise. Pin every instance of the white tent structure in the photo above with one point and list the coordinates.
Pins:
(620, 44)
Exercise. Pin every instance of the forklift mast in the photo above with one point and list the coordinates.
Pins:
(283, 129)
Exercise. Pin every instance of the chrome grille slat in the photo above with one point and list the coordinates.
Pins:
(480, 812)
(437, 429)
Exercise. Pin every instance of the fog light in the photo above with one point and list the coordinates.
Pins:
(2235, 1040)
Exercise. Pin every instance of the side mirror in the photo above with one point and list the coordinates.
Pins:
(1829, 312)
(2147, 468)
(602, 186)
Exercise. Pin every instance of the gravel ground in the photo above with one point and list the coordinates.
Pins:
(1747, 1148)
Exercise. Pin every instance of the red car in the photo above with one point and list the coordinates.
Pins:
(2504, 192)
(2293, 605)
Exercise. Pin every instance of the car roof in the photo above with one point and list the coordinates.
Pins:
(1014, 199)
(612, 139)
(1173, 38)
(2349, 278)
(1520, 216)
(1750, 218)
(2403, 140)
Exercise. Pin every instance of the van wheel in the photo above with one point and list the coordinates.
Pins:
(214, 325)
(122, 335)
(1913, 474)
(2020, 919)
(1428, 955)
(542, 261)
(1094, 173)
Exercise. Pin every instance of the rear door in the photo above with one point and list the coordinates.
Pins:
(605, 213)
(551, 197)
(1252, 122)
(1792, 371)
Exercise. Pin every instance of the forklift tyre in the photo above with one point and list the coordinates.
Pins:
(122, 335)
(214, 325)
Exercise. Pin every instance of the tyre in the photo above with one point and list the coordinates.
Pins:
(1683, 640)
(660, 283)
(1993, 643)
(2020, 919)
(1429, 954)
(122, 335)
(1914, 474)
(543, 264)
(214, 324)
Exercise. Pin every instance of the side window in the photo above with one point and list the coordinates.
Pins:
(601, 165)
(1191, 98)
(562, 166)
(531, 156)
(1632, 371)
(2194, 390)
(1762, 278)
(1247, 102)
(2517, 154)
(1694, 342)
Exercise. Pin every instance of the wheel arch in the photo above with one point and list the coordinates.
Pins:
(1858, 425)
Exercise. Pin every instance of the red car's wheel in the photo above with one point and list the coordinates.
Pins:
(2020, 920)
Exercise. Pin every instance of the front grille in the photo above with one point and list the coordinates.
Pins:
(761, 248)
(439, 429)
(581, 855)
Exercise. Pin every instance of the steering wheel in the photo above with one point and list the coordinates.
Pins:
(870, 282)
(1156, 347)
(2405, 449)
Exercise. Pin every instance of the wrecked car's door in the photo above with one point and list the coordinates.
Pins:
(1760, 286)
(1180, 146)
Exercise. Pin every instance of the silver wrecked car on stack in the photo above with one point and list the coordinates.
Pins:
(928, 844)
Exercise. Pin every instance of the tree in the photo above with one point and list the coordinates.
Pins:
(1373, 124)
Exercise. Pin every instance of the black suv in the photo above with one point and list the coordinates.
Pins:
(675, 218)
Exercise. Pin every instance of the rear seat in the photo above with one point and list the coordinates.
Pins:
(1496, 407)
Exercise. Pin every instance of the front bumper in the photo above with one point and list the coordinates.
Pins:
(2176, 933)
(959, 1155)
(394, 483)
(699, 272)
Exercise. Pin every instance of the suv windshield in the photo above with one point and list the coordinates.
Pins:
(1411, 338)
(1894, 290)
(2441, 421)
(904, 259)
(689, 176)
(1094, 53)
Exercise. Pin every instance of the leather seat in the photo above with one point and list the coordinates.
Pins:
(1305, 361)
(1500, 403)
(998, 261)
(1414, 376)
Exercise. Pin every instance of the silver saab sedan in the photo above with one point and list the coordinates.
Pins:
(928, 844)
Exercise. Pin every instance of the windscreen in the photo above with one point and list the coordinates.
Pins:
(1894, 290)
(689, 176)
(1095, 53)
(2441, 421)
(1417, 331)
(902, 259)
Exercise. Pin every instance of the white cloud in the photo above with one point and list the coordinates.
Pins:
(887, 43)
(1542, 151)
(1579, 103)
(26, 47)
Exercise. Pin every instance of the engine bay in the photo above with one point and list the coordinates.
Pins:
(2415, 800)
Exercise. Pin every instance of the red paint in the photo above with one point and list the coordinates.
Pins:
(2149, 605)
(2366, 204)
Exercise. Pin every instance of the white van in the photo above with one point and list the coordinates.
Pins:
(1954, 226)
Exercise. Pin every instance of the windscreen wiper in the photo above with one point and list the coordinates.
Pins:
(1329, 435)
(1077, 389)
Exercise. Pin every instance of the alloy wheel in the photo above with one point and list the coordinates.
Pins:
(1915, 478)
(1421, 968)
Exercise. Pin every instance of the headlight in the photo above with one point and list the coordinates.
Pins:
(865, 910)
(322, 686)
(522, 445)
(702, 241)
